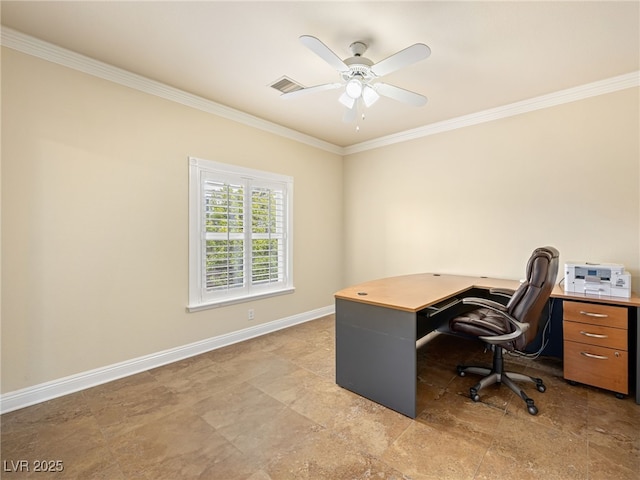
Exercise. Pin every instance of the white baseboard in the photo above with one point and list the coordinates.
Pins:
(63, 386)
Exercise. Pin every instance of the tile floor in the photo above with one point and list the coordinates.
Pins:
(268, 409)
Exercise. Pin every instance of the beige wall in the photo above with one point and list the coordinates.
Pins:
(95, 221)
(477, 200)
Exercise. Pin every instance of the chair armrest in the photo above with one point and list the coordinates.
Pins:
(503, 292)
(484, 302)
(520, 327)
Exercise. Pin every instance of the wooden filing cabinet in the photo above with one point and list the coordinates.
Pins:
(596, 345)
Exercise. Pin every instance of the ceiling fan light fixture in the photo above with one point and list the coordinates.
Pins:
(347, 100)
(354, 88)
(369, 95)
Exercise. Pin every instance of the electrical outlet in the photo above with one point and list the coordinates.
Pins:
(251, 314)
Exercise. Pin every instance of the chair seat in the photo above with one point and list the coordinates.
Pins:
(481, 322)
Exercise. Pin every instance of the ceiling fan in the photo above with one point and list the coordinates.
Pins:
(360, 75)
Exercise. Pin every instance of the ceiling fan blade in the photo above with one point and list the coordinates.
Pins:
(400, 94)
(405, 57)
(324, 52)
(316, 88)
(350, 114)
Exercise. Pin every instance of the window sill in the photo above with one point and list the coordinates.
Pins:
(197, 307)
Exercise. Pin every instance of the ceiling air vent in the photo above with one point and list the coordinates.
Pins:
(286, 85)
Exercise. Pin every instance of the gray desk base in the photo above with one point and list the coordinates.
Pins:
(637, 354)
(376, 354)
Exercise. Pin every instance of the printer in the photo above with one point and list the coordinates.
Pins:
(597, 279)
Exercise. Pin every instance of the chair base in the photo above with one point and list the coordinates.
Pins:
(497, 375)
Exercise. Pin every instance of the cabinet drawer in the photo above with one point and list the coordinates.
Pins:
(595, 314)
(595, 335)
(598, 366)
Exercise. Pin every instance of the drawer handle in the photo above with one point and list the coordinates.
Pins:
(593, 335)
(598, 315)
(592, 355)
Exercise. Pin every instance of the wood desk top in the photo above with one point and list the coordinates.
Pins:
(415, 292)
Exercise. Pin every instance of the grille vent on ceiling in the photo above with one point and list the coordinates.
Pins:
(286, 85)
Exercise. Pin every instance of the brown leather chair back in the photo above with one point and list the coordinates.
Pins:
(528, 302)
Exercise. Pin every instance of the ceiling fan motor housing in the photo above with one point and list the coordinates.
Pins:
(358, 67)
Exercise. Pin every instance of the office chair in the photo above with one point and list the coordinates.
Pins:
(512, 326)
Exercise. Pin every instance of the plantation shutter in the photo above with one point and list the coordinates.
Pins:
(224, 236)
(268, 229)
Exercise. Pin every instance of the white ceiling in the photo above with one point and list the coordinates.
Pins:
(484, 54)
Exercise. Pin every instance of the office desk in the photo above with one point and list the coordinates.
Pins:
(377, 325)
(377, 330)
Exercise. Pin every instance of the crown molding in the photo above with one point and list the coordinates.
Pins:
(46, 51)
(581, 92)
(52, 53)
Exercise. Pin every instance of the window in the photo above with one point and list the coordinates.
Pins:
(240, 242)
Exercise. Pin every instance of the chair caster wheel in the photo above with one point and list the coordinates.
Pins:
(619, 396)
(461, 371)
(533, 410)
(473, 394)
(541, 388)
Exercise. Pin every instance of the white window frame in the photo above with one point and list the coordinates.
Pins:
(202, 171)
